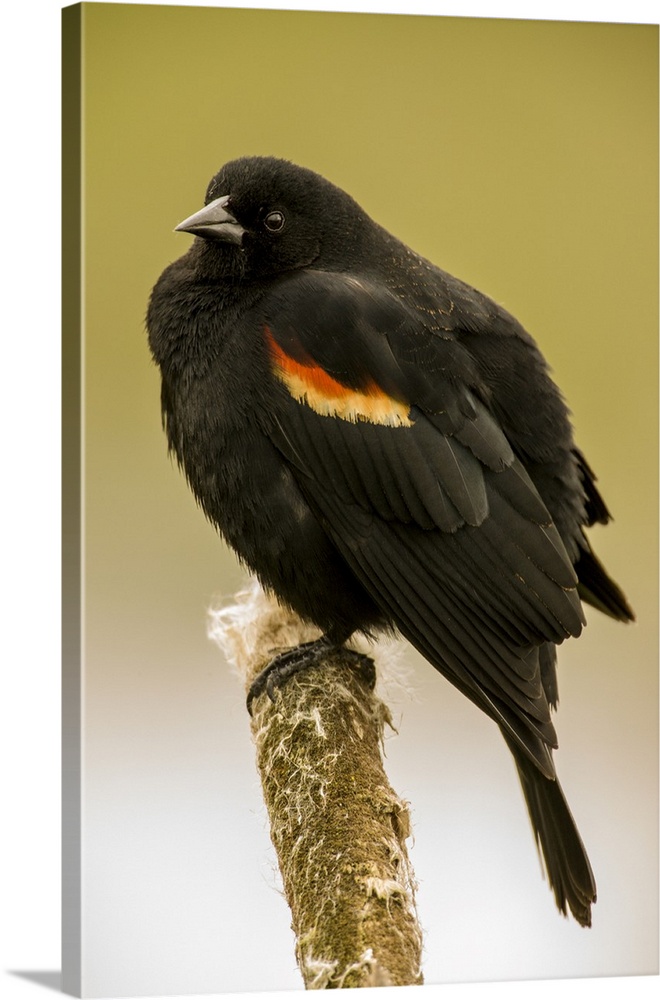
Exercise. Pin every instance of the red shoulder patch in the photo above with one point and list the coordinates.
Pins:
(311, 384)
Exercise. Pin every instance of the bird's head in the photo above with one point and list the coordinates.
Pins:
(277, 217)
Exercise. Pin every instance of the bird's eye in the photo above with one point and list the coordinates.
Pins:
(274, 221)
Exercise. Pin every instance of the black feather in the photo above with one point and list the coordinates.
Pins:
(383, 446)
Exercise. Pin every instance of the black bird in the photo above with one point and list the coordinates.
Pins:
(383, 446)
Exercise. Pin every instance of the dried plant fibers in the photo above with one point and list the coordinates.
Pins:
(338, 827)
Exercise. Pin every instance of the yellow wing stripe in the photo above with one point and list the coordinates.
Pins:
(309, 383)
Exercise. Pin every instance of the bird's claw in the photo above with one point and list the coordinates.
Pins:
(299, 658)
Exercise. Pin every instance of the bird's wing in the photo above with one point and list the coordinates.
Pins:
(416, 484)
(595, 585)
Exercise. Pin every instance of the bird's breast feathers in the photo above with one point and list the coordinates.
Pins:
(309, 383)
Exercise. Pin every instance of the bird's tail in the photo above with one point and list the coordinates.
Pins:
(560, 845)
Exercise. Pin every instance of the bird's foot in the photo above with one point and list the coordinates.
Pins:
(307, 654)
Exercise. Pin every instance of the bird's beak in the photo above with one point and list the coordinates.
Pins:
(213, 222)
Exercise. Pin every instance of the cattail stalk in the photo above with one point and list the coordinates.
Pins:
(338, 827)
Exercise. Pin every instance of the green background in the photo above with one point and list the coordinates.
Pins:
(520, 156)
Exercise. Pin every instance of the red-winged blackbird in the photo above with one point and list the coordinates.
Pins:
(383, 446)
